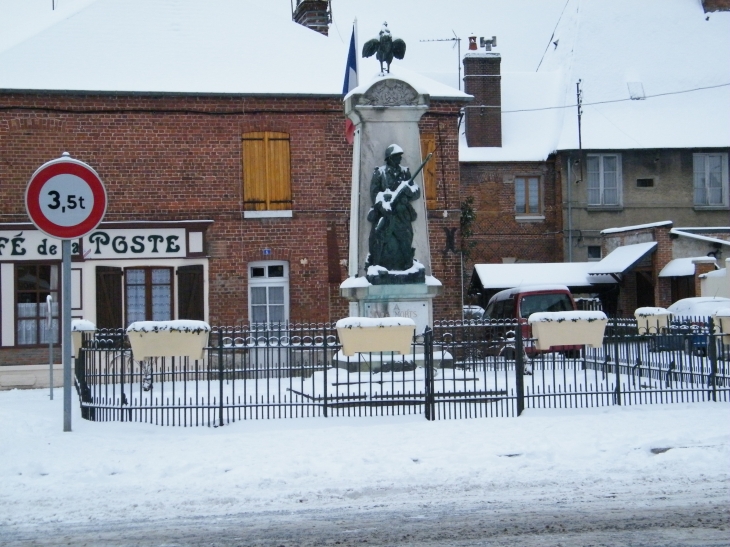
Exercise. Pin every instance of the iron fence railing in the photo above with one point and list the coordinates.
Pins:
(457, 369)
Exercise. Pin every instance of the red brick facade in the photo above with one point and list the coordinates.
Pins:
(179, 158)
(499, 233)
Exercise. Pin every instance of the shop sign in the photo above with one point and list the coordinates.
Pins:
(99, 244)
(136, 243)
(31, 245)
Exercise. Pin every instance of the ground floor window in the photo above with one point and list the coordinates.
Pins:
(33, 284)
(268, 292)
(149, 294)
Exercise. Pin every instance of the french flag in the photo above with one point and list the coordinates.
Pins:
(350, 84)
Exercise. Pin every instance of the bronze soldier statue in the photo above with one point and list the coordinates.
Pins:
(392, 189)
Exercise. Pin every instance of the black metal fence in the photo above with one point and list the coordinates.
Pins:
(455, 370)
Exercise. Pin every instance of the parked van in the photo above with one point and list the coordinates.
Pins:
(519, 303)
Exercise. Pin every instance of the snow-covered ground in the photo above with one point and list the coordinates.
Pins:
(109, 472)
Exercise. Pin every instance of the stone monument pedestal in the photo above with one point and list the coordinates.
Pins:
(385, 113)
(412, 301)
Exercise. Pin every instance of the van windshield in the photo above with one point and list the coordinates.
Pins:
(533, 303)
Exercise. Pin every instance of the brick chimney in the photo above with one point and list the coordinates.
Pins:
(483, 80)
(314, 14)
(716, 5)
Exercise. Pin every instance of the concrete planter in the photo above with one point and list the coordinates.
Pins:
(722, 324)
(652, 320)
(366, 335)
(168, 339)
(78, 327)
(571, 328)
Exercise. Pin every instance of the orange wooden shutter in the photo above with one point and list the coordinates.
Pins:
(266, 171)
(428, 146)
(279, 171)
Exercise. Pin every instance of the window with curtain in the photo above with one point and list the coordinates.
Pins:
(604, 180)
(33, 284)
(148, 294)
(710, 180)
(268, 292)
(527, 196)
(266, 171)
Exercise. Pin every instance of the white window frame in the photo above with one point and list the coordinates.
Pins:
(601, 183)
(268, 282)
(704, 158)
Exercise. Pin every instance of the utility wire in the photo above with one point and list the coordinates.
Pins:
(615, 100)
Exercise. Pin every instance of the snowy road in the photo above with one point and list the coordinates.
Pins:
(666, 520)
(614, 476)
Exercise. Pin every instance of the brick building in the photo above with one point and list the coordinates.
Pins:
(228, 195)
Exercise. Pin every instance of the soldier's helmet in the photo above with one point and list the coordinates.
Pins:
(392, 150)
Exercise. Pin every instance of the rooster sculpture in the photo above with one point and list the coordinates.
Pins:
(384, 48)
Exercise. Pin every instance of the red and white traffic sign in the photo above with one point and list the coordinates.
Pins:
(65, 198)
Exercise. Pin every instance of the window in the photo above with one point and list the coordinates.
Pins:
(710, 180)
(527, 196)
(428, 146)
(266, 173)
(33, 284)
(268, 292)
(644, 183)
(594, 252)
(149, 294)
(604, 180)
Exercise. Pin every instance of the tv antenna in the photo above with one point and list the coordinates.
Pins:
(457, 44)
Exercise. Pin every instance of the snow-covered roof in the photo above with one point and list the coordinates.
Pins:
(622, 259)
(243, 47)
(669, 52)
(507, 276)
(683, 232)
(683, 266)
(620, 229)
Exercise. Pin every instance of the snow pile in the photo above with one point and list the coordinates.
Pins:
(110, 471)
(82, 325)
(374, 322)
(649, 311)
(179, 325)
(560, 316)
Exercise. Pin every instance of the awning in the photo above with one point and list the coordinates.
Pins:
(622, 259)
(507, 276)
(683, 266)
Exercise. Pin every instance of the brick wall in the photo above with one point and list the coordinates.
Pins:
(499, 234)
(179, 158)
(716, 5)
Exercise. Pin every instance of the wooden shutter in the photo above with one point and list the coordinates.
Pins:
(428, 146)
(266, 171)
(279, 168)
(108, 297)
(190, 293)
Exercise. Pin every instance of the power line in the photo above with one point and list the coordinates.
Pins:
(615, 100)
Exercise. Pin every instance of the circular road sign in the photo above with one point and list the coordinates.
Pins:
(65, 198)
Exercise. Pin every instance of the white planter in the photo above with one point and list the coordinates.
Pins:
(168, 339)
(574, 328)
(366, 335)
(78, 327)
(652, 320)
(721, 321)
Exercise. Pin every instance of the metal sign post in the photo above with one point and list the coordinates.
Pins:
(65, 199)
(49, 328)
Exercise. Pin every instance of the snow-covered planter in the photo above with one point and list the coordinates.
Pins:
(181, 338)
(366, 334)
(568, 328)
(652, 320)
(78, 327)
(721, 320)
